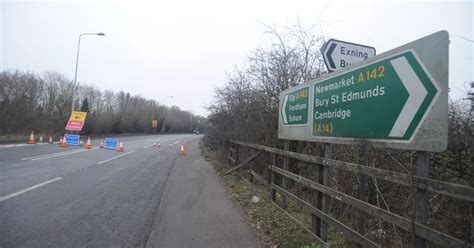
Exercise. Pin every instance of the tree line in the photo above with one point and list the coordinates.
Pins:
(245, 108)
(42, 103)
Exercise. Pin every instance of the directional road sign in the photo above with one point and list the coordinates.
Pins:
(295, 107)
(385, 99)
(398, 99)
(339, 54)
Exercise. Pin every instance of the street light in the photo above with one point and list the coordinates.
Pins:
(77, 62)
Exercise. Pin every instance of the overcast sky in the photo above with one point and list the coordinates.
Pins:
(185, 48)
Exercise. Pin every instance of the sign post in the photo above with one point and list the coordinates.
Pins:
(398, 99)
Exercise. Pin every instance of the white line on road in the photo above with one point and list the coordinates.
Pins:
(112, 158)
(3, 198)
(46, 155)
(21, 145)
(64, 154)
(147, 146)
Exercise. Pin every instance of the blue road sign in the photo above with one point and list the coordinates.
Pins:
(110, 143)
(72, 139)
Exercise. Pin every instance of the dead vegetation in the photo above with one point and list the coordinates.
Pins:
(246, 109)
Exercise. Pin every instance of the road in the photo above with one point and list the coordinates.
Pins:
(144, 197)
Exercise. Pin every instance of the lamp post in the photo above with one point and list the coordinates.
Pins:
(77, 63)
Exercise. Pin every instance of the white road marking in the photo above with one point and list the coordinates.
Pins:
(46, 155)
(3, 198)
(112, 158)
(21, 145)
(147, 146)
(64, 154)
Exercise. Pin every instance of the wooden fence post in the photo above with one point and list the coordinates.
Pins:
(250, 171)
(229, 154)
(361, 216)
(421, 198)
(319, 227)
(272, 177)
(284, 181)
(237, 149)
(326, 181)
(472, 222)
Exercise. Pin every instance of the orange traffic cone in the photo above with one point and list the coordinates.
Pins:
(101, 144)
(181, 150)
(88, 144)
(155, 144)
(63, 142)
(31, 141)
(50, 141)
(159, 144)
(41, 139)
(120, 148)
(80, 142)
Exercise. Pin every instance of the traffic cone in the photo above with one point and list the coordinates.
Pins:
(41, 139)
(155, 144)
(60, 140)
(80, 142)
(63, 143)
(159, 144)
(101, 145)
(31, 141)
(171, 145)
(181, 150)
(88, 144)
(120, 148)
(50, 141)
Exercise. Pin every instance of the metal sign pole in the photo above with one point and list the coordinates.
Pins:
(422, 198)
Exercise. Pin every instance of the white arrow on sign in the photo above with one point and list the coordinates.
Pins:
(416, 95)
(339, 54)
(283, 112)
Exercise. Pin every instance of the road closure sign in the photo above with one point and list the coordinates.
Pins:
(76, 121)
(398, 99)
(110, 143)
(72, 139)
(340, 54)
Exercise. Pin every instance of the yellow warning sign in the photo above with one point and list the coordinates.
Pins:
(78, 116)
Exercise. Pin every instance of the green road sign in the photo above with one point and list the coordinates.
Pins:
(386, 99)
(397, 99)
(296, 107)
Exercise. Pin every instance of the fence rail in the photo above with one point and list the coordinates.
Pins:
(321, 217)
